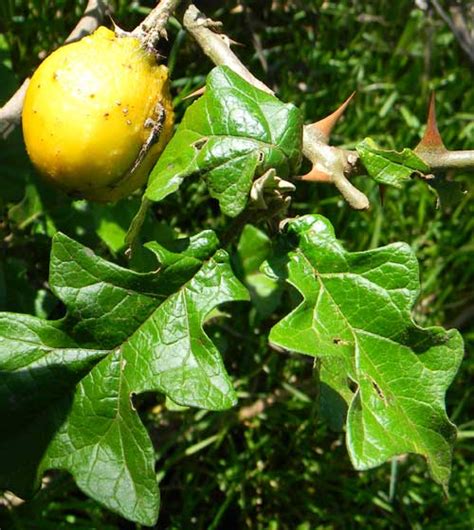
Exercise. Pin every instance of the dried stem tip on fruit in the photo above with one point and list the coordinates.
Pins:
(96, 116)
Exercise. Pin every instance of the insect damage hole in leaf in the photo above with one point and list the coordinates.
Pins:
(124, 333)
(199, 144)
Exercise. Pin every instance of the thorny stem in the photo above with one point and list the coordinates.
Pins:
(217, 47)
(448, 159)
(10, 113)
(153, 27)
(336, 162)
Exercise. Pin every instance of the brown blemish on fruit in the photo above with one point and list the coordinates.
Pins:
(129, 122)
(125, 111)
(106, 114)
(92, 96)
(55, 76)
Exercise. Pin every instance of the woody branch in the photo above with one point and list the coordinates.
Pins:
(330, 163)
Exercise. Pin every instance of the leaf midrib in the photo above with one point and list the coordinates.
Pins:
(357, 355)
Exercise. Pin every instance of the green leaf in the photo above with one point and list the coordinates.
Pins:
(18, 293)
(231, 135)
(28, 210)
(197, 247)
(66, 386)
(105, 446)
(355, 316)
(450, 193)
(39, 368)
(390, 167)
(253, 249)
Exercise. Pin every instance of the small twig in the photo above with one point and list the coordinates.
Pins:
(458, 26)
(217, 45)
(257, 41)
(95, 12)
(10, 113)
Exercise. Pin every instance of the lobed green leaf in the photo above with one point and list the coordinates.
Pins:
(66, 386)
(231, 135)
(387, 376)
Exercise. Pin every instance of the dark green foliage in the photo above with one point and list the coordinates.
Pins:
(272, 462)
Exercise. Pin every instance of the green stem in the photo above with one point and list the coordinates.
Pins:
(133, 233)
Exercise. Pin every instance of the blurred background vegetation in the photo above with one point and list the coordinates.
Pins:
(270, 464)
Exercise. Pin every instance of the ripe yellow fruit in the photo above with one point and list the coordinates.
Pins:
(91, 110)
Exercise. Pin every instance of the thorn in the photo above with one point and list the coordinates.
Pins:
(196, 93)
(117, 29)
(231, 42)
(431, 140)
(326, 125)
(315, 175)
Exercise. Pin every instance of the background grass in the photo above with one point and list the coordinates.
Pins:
(281, 468)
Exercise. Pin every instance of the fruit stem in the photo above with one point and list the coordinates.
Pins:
(153, 27)
(133, 233)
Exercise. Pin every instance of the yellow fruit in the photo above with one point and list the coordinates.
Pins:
(89, 110)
